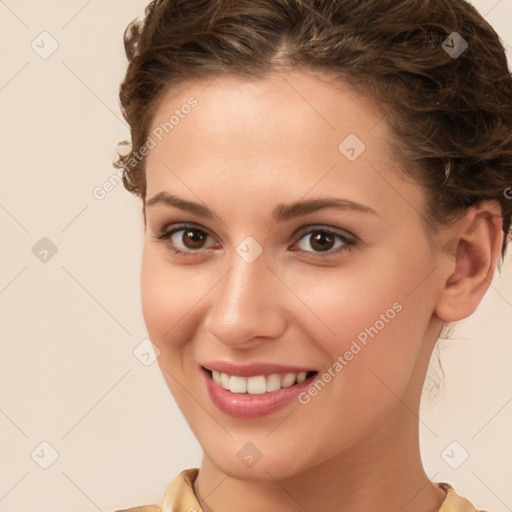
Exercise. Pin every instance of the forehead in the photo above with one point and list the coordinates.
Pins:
(294, 103)
(288, 133)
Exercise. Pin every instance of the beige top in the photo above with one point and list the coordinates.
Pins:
(180, 497)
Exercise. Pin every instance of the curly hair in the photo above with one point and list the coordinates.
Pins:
(450, 114)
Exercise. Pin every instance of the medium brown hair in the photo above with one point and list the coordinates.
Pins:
(450, 115)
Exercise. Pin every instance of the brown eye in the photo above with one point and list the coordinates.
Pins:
(186, 240)
(324, 241)
(193, 238)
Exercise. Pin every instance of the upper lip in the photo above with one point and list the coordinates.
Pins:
(252, 369)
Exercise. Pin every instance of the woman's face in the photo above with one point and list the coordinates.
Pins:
(346, 291)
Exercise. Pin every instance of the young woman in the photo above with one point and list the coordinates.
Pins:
(325, 187)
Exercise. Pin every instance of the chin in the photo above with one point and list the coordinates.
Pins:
(269, 463)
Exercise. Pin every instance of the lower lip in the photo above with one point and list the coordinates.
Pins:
(245, 405)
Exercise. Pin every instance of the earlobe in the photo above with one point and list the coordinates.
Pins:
(472, 248)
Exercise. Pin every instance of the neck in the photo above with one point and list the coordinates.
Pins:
(382, 472)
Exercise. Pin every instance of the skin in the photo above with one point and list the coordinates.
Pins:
(247, 147)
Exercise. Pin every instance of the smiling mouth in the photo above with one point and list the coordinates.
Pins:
(258, 384)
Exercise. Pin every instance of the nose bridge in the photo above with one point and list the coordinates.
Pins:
(246, 302)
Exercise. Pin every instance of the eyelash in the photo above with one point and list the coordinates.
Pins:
(349, 243)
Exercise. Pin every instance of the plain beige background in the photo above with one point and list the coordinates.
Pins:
(72, 387)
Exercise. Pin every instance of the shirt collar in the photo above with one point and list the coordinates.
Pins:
(453, 502)
(180, 496)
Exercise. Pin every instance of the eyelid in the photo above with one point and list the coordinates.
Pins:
(178, 226)
(323, 227)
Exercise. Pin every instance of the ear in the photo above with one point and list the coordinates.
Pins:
(471, 249)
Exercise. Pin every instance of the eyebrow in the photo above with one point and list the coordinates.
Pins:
(280, 213)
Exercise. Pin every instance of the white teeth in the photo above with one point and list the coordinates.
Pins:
(257, 385)
(224, 380)
(273, 382)
(237, 384)
(288, 380)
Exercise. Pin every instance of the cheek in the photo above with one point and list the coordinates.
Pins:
(373, 316)
(167, 296)
(337, 304)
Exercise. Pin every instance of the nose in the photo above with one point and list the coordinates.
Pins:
(248, 305)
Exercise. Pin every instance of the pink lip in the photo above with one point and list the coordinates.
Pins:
(252, 369)
(247, 406)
